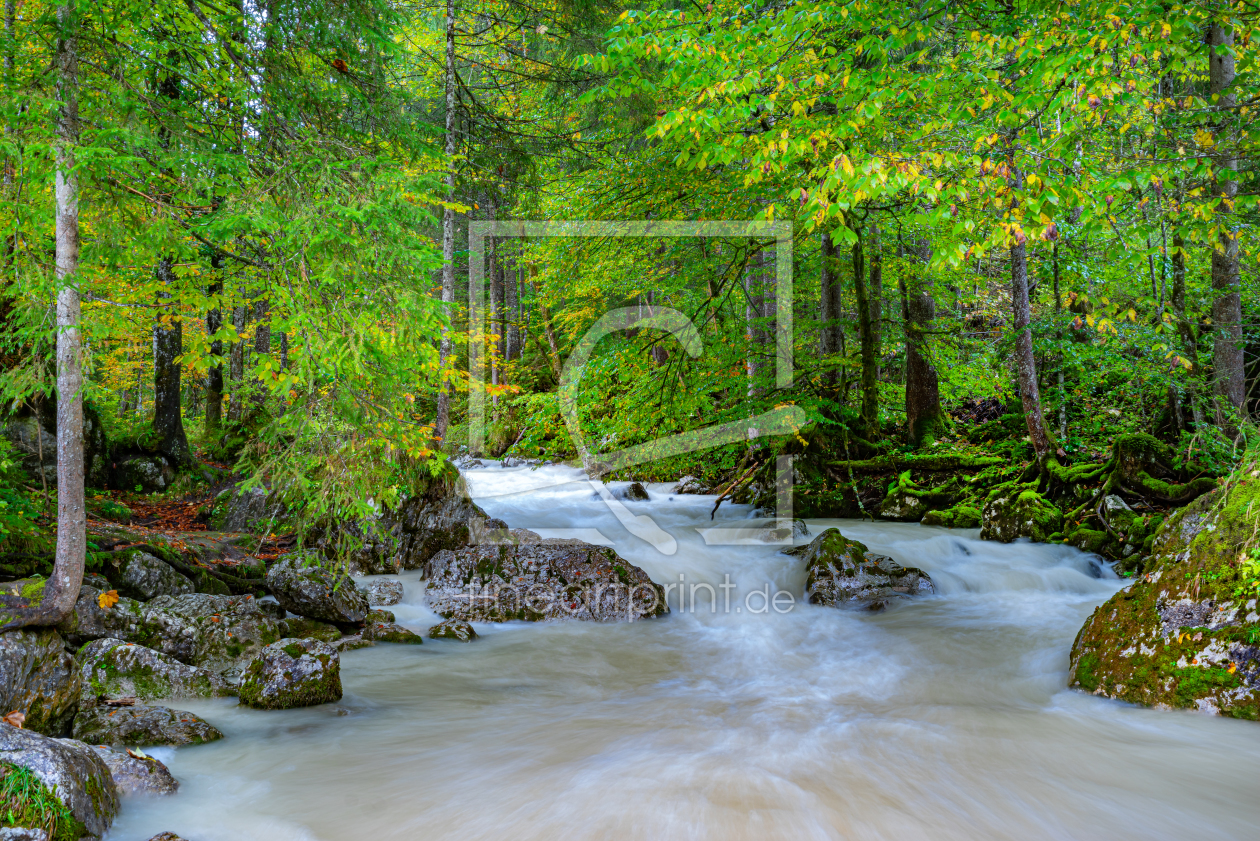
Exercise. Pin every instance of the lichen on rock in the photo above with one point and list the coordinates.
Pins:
(117, 669)
(39, 679)
(142, 725)
(308, 587)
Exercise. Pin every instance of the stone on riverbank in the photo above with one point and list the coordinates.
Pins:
(213, 632)
(1186, 634)
(142, 576)
(844, 573)
(299, 627)
(135, 773)
(317, 592)
(292, 673)
(39, 678)
(71, 771)
(142, 725)
(117, 669)
(551, 579)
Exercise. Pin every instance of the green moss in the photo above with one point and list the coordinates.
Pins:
(964, 515)
(26, 802)
(294, 650)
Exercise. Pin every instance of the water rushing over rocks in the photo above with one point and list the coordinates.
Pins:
(734, 716)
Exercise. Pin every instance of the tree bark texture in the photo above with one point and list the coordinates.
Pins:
(1227, 352)
(442, 423)
(869, 348)
(1025, 362)
(923, 397)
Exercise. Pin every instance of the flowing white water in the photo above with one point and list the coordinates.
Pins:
(942, 718)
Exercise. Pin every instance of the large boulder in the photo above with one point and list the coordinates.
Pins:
(214, 632)
(844, 573)
(1011, 514)
(112, 668)
(316, 592)
(70, 771)
(38, 678)
(34, 439)
(142, 472)
(550, 579)
(238, 509)
(142, 576)
(292, 673)
(135, 773)
(1186, 634)
(141, 725)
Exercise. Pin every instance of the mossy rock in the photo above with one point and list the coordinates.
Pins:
(1186, 634)
(300, 627)
(292, 673)
(961, 516)
(1012, 513)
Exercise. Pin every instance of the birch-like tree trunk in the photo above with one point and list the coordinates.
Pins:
(62, 590)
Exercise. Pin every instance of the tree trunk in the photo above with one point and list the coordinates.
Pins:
(512, 305)
(168, 341)
(62, 590)
(1025, 363)
(214, 377)
(1189, 342)
(1227, 352)
(829, 303)
(448, 232)
(754, 314)
(923, 397)
(875, 294)
(236, 367)
(869, 343)
(494, 272)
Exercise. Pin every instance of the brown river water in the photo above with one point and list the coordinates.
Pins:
(942, 718)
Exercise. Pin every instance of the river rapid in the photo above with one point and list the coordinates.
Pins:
(945, 717)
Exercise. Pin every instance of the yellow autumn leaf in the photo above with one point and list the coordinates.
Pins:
(108, 599)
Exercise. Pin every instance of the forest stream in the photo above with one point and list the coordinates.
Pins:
(943, 717)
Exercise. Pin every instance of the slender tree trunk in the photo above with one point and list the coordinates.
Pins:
(869, 343)
(759, 300)
(1227, 352)
(62, 590)
(829, 304)
(236, 367)
(214, 377)
(512, 306)
(1189, 342)
(448, 230)
(494, 274)
(923, 397)
(1025, 363)
(875, 294)
(1058, 337)
(554, 358)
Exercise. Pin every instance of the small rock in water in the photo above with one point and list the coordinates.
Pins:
(135, 773)
(352, 643)
(142, 725)
(168, 836)
(844, 573)
(453, 629)
(292, 673)
(634, 492)
(378, 616)
(384, 592)
(689, 485)
(390, 632)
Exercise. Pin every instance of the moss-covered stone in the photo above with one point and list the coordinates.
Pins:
(453, 629)
(964, 515)
(1186, 634)
(142, 725)
(292, 673)
(39, 678)
(1015, 512)
(115, 669)
(300, 627)
(841, 572)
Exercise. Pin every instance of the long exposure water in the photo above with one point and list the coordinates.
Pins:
(946, 717)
